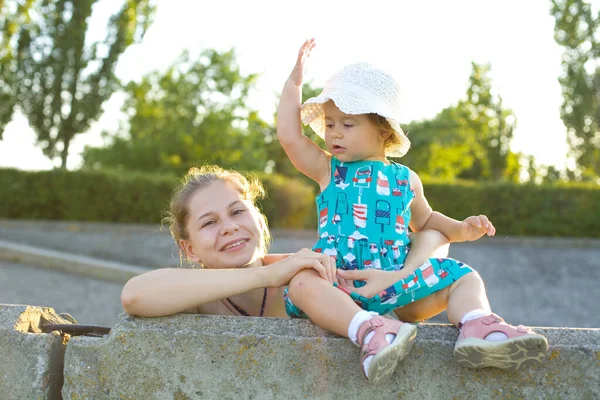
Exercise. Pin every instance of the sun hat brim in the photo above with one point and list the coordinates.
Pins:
(354, 101)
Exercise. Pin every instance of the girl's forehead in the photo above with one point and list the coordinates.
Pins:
(214, 197)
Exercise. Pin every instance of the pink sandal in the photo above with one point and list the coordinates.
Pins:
(523, 346)
(385, 355)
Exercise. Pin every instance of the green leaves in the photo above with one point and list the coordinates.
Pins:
(194, 112)
(576, 30)
(55, 79)
(468, 140)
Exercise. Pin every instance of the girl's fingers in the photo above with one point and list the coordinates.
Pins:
(317, 266)
(343, 283)
(354, 275)
(332, 263)
(331, 268)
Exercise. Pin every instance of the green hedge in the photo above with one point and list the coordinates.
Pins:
(546, 210)
(128, 197)
(566, 209)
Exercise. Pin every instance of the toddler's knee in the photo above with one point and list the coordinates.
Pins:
(472, 277)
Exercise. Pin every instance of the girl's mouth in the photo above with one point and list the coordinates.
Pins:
(235, 245)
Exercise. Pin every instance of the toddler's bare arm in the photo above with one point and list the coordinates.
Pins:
(306, 156)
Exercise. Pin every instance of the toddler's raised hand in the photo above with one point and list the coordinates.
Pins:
(475, 227)
(297, 74)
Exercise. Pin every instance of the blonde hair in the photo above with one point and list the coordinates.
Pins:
(250, 187)
(382, 124)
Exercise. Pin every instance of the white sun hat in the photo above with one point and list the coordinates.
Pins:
(359, 89)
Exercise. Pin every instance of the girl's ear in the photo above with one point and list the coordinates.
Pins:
(188, 250)
(384, 135)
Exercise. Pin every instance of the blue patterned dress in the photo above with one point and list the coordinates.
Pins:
(364, 215)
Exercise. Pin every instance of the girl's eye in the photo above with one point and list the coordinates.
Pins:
(237, 212)
(207, 223)
(348, 125)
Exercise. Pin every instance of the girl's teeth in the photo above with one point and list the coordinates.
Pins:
(233, 245)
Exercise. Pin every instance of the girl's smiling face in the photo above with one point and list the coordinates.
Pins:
(352, 137)
(224, 229)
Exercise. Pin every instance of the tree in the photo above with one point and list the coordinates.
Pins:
(12, 16)
(62, 82)
(468, 140)
(493, 127)
(194, 112)
(576, 30)
(441, 146)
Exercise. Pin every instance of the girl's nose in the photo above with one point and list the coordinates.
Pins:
(229, 227)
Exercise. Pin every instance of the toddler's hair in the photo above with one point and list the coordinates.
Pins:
(250, 187)
(382, 124)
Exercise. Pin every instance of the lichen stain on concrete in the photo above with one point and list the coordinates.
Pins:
(553, 355)
(296, 369)
(245, 361)
(249, 341)
(120, 337)
(227, 344)
(179, 395)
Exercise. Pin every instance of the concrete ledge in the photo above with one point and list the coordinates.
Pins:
(216, 357)
(31, 366)
(65, 262)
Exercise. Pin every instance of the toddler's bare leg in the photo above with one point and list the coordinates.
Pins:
(466, 294)
(326, 305)
(425, 244)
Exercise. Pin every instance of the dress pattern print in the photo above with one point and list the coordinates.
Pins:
(364, 213)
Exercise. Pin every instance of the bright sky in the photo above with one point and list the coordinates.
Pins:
(428, 45)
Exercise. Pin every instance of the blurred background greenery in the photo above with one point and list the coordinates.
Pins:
(196, 112)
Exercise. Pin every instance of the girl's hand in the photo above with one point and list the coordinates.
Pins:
(297, 75)
(281, 272)
(475, 227)
(375, 281)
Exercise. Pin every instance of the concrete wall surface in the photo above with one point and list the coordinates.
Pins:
(217, 357)
(31, 363)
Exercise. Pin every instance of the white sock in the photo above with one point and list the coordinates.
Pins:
(358, 319)
(474, 314)
(494, 336)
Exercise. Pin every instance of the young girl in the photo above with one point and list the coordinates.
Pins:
(365, 207)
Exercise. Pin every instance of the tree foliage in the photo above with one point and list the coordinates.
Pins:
(576, 30)
(468, 140)
(194, 112)
(12, 16)
(62, 80)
